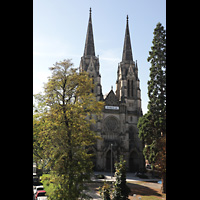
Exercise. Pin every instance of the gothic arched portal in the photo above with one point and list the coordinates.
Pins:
(108, 160)
(134, 162)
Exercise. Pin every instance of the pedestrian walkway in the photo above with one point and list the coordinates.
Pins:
(93, 195)
(129, 177)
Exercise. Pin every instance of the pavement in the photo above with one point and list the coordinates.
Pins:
(130, 177)
(94, 195)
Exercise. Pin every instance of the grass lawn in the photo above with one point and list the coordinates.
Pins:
(146, 190)
(152, 198)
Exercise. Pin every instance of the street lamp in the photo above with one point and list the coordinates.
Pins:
(111, 159)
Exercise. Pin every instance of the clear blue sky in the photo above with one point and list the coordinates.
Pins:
(59, 32)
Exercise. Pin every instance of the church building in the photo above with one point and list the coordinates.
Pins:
(118, 125)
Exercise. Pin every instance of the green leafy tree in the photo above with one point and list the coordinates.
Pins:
(120, 189)
(105, 192)
(61, 127)
(152, 125)
(37, 150)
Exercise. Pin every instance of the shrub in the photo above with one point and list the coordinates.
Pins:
(105, 191)
(121, 190)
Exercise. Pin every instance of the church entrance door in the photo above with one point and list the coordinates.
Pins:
(108, 161)
(134, 162)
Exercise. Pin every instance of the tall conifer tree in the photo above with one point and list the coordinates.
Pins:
(152, 126)
(157, 82)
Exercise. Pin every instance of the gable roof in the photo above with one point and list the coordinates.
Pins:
(111, 99)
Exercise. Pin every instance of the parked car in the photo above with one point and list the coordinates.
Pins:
(41, 195)
(141, 175)
(37, 188)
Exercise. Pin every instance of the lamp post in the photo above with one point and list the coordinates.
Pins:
(111, 159)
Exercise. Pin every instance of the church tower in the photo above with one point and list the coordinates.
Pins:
(122, 109)
(89, 62)
(128, 83)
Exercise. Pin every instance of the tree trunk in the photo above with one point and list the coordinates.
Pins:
(163, 188)
(69, 145)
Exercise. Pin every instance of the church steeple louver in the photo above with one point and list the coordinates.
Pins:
(127, 51)
(89, 43)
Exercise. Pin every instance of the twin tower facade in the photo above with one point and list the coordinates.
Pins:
(118, 125)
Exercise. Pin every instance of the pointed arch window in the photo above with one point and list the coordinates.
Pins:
(130, 88)
(92, 90)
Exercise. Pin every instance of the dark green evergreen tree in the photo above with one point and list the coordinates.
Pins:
(157, 82)
(152, 125)
(120, 189)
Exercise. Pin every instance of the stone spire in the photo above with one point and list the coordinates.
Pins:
(89, 42)
(127, 51)
(90, 63)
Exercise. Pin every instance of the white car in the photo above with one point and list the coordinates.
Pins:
(37, 188)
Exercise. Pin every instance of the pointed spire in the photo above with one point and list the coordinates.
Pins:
(89, 42)
(127, 51)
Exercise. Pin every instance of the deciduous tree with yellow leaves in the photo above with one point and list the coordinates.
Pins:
(62, 128)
